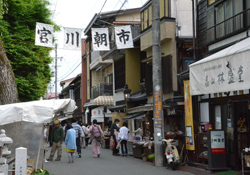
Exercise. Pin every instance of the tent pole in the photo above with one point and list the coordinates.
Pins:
(38, 154)
(44, 148)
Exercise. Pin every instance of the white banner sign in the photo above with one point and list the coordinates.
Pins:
(230, 73)
(44, 35)
(97, 113)
(100, 39)
(123, 37)
(217, 142)
(72, 38)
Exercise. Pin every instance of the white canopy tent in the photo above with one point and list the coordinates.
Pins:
(23, 122)
(224, 71)
(35, 111)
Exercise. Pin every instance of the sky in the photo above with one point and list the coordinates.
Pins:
(77, 14)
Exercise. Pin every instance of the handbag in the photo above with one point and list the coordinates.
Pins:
(118, 145)
(98, 139)
(91, 138)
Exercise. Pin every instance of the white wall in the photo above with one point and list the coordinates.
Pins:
(182, 11)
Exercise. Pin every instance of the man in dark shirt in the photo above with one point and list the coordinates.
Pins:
(57, 137)
(115, 126)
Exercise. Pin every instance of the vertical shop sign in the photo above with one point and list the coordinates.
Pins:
(189, 124)
(157, 108)
(44, 35)
(217, 142)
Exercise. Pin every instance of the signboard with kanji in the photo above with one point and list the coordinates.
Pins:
(217, 142)
(189, 124)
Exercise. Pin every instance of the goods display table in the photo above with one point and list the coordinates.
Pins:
(245, 160)
(142, 147)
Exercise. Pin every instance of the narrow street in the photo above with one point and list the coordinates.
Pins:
(105, 165)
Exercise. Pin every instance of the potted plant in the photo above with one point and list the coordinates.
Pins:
(144, 157)
(152, 156)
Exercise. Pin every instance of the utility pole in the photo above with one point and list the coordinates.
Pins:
(157, 83)
(193, 18)
(55, 71)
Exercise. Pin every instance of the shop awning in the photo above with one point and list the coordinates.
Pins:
(133, 115)
(103, 100)
(138, 97)
(88, 105)
(148, 107)
(117, 108)
(224, 71)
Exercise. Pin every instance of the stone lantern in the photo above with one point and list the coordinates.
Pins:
(5, 143)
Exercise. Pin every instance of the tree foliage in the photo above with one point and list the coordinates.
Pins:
(30, 63)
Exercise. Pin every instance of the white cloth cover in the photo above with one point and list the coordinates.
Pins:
(224, 71)
(35, 111)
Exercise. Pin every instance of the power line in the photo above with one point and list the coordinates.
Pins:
(62, 77)
(103, 6)
(71, 71)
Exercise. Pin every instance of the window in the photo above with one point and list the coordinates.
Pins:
(219, 19)
(209, 2)
(108, 78)
(238, 9)
(218, 124)
(210, 26)
(120, 73)
(228, 15)
(248, 12)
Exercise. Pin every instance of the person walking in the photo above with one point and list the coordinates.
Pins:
(87, 136)
(96, 137)
(64, 130)
(115, 126)
(85, 133)
(79, 133)
(50, 128)
(123, 136)
(57, 138)
(70, 142)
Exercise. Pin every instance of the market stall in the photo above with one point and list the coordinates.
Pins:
(24, 123)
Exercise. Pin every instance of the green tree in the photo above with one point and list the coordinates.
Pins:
(30, 63)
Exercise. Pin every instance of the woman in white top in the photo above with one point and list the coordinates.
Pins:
(123, 136)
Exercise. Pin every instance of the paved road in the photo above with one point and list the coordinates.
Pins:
(106, 165)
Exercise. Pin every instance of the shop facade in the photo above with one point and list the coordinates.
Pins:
(221, 84)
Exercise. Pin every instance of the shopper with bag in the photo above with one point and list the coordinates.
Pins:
(79, 133)
(115, 127)
(85, 133)
(95, 138)
(70, 142)
(123, 136)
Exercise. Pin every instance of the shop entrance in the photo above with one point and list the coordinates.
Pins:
(234, 119)
(242, 124)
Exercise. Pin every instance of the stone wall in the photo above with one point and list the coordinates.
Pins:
(8, 87)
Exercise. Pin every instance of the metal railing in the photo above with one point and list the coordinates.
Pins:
(102, 89)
